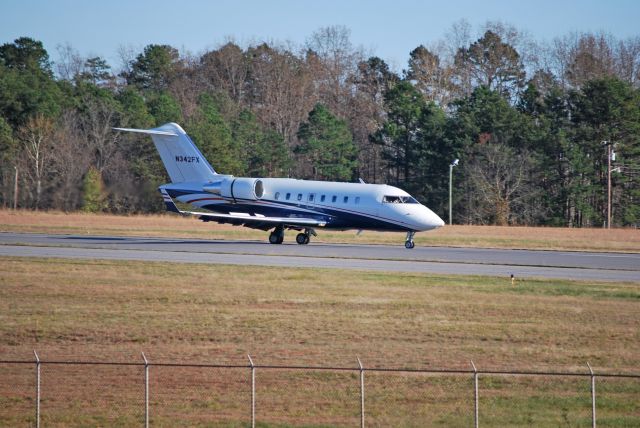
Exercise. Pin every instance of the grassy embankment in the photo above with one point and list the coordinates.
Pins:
(165, 225)
(106, 310)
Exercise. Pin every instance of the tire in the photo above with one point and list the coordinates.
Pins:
(409, 245)
(302, 239)
(274, 238)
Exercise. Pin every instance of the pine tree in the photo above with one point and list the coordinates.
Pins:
(327, 145)
(93, 192)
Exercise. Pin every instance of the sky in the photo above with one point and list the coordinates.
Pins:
(388, 29)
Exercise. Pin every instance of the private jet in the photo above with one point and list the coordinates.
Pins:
(280, 204)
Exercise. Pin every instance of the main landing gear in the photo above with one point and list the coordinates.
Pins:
(408, 243)
(303, 238)
(277, 236)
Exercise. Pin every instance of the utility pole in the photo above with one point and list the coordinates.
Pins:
(15, 190)
(609, 186)
(451, 165)
(610, 156)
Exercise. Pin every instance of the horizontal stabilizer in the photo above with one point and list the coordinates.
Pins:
(147, 131)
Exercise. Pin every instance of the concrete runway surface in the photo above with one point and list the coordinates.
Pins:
(442, 260)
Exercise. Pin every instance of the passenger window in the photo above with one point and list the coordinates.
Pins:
(357, 199)
(277, 196)
(311, 196)
(299, 196)
(334, 198)
(322, 198)
(346, 199)
(288, 196)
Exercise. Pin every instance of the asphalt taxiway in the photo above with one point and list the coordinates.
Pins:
(442, 260)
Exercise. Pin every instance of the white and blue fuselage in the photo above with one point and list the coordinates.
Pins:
(338, 205)
(281, 203)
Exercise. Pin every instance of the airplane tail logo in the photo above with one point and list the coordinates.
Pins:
(180, 156)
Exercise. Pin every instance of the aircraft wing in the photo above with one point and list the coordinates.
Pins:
(244, 219)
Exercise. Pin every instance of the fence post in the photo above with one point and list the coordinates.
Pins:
(361, 393)
(37, 389)
(593, 396)
(146, 391)
(253, 392)
(475, 395)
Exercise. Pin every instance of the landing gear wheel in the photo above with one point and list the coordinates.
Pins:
(408, 243)
(277, 236)
(302, 238)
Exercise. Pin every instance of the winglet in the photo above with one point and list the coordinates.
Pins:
(171, 206)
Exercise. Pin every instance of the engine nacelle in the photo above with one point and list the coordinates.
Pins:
(237, 188)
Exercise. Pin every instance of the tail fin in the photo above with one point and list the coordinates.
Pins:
(180, 156)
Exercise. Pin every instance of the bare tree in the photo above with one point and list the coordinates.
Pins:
(590, 59)
(367, 114)
(579, 57)
(529, 50)
(97, 120)
(491, 62)
(70, 64)
(69, 162)
(281, 89)
(225, 69)
(502, 186)
(627, 58)
(429, 76)
(335, 62)
(37, 144)
(127, 55)
(457, 37)
(187, 86)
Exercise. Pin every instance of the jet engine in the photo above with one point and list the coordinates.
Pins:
(237, 188)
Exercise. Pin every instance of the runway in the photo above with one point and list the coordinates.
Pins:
(441, 260)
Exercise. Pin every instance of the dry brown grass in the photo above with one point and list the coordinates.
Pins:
(69, 308)
(165, 225)
(108, 310)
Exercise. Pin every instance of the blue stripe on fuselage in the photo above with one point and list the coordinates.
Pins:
(335, 218)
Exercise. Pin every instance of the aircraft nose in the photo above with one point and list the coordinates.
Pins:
(437, 220)
(430, 220)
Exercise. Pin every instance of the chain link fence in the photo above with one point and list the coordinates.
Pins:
(65, 393)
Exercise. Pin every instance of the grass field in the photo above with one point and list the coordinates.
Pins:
(165, 225)
(112, 311)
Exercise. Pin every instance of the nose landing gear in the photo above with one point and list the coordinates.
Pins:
(305, 237)
(408, 243)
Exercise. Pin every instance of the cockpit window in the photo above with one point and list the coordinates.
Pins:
(390, 199)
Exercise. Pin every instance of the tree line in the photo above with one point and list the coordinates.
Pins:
(532, 123)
